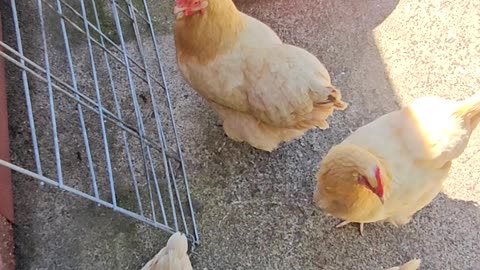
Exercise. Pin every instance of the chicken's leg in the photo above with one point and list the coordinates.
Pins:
(348, 222)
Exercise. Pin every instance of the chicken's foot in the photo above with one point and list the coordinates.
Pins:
(346, 222)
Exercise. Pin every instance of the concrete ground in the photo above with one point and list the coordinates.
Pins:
(254, 209)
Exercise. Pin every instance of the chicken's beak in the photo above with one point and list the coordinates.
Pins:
(178, 12)
(381, 199)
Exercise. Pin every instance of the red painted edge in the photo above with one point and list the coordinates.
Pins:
(6, 195)
(7, 256)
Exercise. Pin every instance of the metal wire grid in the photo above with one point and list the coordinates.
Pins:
(102, 97)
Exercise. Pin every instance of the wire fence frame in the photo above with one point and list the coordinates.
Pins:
(164, 204)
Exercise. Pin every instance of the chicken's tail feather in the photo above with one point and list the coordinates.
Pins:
(469, 109)
(336, 98)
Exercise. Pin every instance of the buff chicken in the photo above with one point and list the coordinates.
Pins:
(266, 92)
(393, 167)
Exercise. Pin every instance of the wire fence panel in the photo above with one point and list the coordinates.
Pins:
(99, 85)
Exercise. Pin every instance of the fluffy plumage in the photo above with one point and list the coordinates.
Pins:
(266, 92)
(173, 256)
(413, 149)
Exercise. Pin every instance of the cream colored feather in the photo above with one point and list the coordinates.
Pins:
(173, 256)
(411, 265)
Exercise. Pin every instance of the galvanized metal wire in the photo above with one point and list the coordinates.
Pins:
(103, 84)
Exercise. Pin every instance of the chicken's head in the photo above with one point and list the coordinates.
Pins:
(185, 8)
(350, 181)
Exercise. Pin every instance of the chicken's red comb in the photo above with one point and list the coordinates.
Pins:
(188, 5)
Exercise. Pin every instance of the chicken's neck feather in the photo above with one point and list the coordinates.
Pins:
(204, 36)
